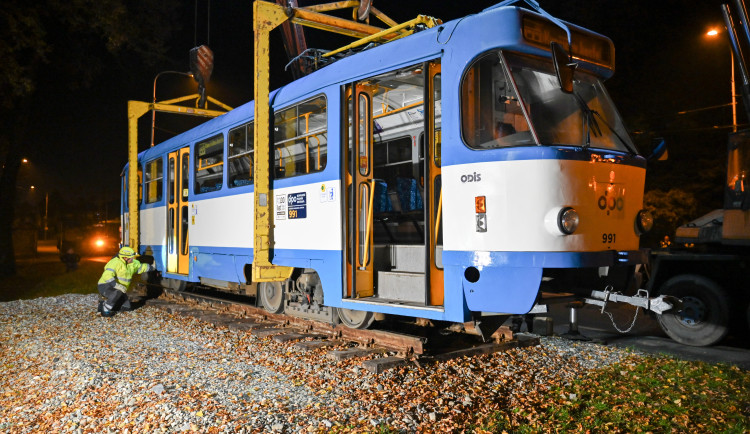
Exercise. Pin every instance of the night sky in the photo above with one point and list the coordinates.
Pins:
(664, 65)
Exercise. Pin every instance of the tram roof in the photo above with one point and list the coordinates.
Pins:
(459, 41)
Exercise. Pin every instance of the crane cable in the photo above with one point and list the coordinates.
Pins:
(208, 24)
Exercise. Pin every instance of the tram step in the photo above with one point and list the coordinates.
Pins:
(407, 258)
(400, 286)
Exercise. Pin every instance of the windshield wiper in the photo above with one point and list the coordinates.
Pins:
(590, 122)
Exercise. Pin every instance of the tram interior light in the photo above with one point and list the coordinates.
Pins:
(568, 220)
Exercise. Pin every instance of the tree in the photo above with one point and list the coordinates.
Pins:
(69, 42)
(671, 209)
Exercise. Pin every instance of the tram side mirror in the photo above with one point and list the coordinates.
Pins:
(564, 67)
(659, 150)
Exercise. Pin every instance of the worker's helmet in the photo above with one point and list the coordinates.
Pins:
(126, 252)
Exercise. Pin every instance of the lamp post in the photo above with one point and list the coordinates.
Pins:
(712, 34)
(153, 101)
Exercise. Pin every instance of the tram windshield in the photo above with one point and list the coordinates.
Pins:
(506, 96)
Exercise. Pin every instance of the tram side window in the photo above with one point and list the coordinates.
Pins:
(398, 118)
(240, 159)
(209, 164)
(153, 181)
(301, 139)
(491, 113)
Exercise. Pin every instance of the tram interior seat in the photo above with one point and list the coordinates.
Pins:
(395, 207)
(241, 182)
(208, 186)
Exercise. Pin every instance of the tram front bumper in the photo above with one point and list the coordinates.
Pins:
(509, 282)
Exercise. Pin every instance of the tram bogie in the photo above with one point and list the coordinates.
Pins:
(438, 176)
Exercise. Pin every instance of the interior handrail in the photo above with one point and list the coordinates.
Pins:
(439, 212)
(369, 224)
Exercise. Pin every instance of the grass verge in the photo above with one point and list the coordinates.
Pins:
(49, 279)
(654, 394)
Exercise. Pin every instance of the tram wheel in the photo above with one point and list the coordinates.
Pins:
(272, 296)
(704, 317)
(174, 284)
(356, 319)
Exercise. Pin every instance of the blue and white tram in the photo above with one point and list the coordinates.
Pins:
(444, 175)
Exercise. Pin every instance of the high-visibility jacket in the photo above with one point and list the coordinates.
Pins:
(121, 273)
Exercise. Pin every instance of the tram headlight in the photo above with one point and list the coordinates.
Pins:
(644, 221)
(567, 220)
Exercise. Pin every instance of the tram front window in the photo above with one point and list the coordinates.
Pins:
(587, 117)
(491, 113)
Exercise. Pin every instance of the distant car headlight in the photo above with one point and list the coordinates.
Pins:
(644, 221)
(567, 220)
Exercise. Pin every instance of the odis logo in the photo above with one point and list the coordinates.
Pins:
(475, 177)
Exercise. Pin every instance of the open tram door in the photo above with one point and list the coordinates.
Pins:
(177, 211)
(393, 184)
(359, 192)
(433, 183)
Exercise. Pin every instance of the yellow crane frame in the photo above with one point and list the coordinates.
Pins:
(266, 17)
(136, 109)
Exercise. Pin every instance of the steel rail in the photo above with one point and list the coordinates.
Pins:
(399, 342)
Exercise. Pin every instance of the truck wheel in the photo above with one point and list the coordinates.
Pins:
(704, 317)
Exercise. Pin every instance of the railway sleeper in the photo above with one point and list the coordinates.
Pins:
(282, 328)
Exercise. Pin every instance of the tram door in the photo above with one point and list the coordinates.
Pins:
(177, 211)
(359, 194)
(433, 180)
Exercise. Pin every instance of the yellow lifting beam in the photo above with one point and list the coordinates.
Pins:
(266, 17)
(136, 109)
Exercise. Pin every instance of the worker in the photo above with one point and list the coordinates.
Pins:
(115, 281)
(70, 258)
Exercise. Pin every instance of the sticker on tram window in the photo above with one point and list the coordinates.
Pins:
(297, 205)
(281, 207)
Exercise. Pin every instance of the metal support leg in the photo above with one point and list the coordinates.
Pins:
(573, 333)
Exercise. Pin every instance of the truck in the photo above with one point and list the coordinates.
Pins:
(707, 267)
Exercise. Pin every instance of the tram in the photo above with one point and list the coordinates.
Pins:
(448, 175)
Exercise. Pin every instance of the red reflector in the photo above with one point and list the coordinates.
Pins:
(480, 205)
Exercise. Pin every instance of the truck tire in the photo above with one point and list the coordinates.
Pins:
(704, 317)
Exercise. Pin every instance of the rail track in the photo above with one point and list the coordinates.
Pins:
(387, 348)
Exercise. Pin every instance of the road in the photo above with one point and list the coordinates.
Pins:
(646, 335)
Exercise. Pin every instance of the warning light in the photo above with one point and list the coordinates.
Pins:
(480, 205)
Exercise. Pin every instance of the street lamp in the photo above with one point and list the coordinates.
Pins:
(712, 34)
(153, 101)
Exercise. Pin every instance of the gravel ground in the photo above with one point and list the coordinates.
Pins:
(66, 369)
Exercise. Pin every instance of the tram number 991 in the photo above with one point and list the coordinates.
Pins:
(608, 238)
